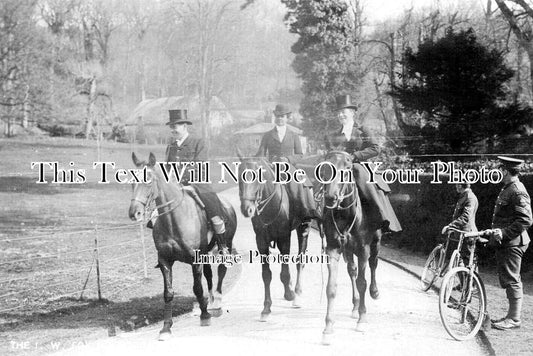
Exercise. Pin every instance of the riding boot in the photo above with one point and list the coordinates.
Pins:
(219, 230)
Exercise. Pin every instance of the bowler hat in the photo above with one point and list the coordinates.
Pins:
(344, 101)
(178, 116)
(510, 162)
(281, 110)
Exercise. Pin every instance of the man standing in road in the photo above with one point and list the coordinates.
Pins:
(511, 219)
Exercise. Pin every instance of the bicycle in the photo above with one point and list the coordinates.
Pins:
(462, 297)
(435, 264)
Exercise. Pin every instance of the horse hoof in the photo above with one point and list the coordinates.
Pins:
(326, 339)
(354, 314)
(289, 296)
(164, 336)
(205, 322)
(297, 302)
(264, 317)
(361, 327)
(216, 313)
(374, 293)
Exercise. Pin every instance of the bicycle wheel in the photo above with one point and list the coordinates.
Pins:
(455, 260)
(462, 303)
(431, 269)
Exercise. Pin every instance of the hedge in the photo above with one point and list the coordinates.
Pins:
(424, 208)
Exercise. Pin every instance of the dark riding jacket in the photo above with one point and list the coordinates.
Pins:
(272, 147)
(362, 144)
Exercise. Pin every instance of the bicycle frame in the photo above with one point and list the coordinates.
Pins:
(465, 276)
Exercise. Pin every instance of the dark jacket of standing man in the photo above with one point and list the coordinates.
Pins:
(464, 215)
(512, 217)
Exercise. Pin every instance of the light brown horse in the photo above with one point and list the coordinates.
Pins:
(180, 230)
(349, 227)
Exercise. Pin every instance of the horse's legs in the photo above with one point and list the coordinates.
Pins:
(331, 289)
(373, 263)
(262, 246)
(222, 269)
(217, 301)
(284, 245)
(208, 274)
(303, 233)
(168, 294)
(205, 317)
(352, 273)
(362, 253)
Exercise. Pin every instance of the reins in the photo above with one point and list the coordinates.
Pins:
(344, 235)
(261, 204)
(152, 196)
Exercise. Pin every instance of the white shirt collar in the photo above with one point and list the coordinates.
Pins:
(347, 129)
(180, 142)
(281, 131)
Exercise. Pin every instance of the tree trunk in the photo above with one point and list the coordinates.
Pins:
(90, 108)
(26, 108)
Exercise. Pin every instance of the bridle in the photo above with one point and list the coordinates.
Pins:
(261, 204)
(152, 195)
(343, 236)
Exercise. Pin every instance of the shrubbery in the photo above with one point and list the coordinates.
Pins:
(423, 209)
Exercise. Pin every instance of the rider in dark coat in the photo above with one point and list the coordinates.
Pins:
(361, 143)
(185, 148)
(281, 144)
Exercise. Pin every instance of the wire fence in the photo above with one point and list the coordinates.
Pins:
(83, 263)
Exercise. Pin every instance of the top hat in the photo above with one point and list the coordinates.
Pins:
(281, 110)
(510, 162)
(178, 116)
(344, 101)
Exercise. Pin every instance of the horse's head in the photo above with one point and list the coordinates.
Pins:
(142, 193)
(340, 163)
(249, 192)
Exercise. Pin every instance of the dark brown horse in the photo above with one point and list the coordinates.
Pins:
(180, 230)
(272, 219)
(349, 227)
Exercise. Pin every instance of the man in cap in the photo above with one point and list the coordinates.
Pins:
(511, 219)
(281, 144)
(185, 148)
(358, 140)
(464, 217)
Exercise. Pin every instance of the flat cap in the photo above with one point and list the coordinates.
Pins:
(510, 162)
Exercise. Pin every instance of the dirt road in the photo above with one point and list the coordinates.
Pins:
(403, 321)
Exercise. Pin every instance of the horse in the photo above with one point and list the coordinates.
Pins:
(180, 230)
(268, 206)
(350, 229)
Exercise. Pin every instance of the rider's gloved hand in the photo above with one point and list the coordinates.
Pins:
(445, 229)
(496, 237)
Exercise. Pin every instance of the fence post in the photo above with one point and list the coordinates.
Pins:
(141, 232)
(97, 263)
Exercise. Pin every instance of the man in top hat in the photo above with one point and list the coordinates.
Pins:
(281, 144)
(511, 219)
(185, 148)
(360, 141)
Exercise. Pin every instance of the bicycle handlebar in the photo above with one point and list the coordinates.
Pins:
(477, 234)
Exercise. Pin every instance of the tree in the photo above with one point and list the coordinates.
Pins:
(520, 20)
(327, 58)
(458, 86)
